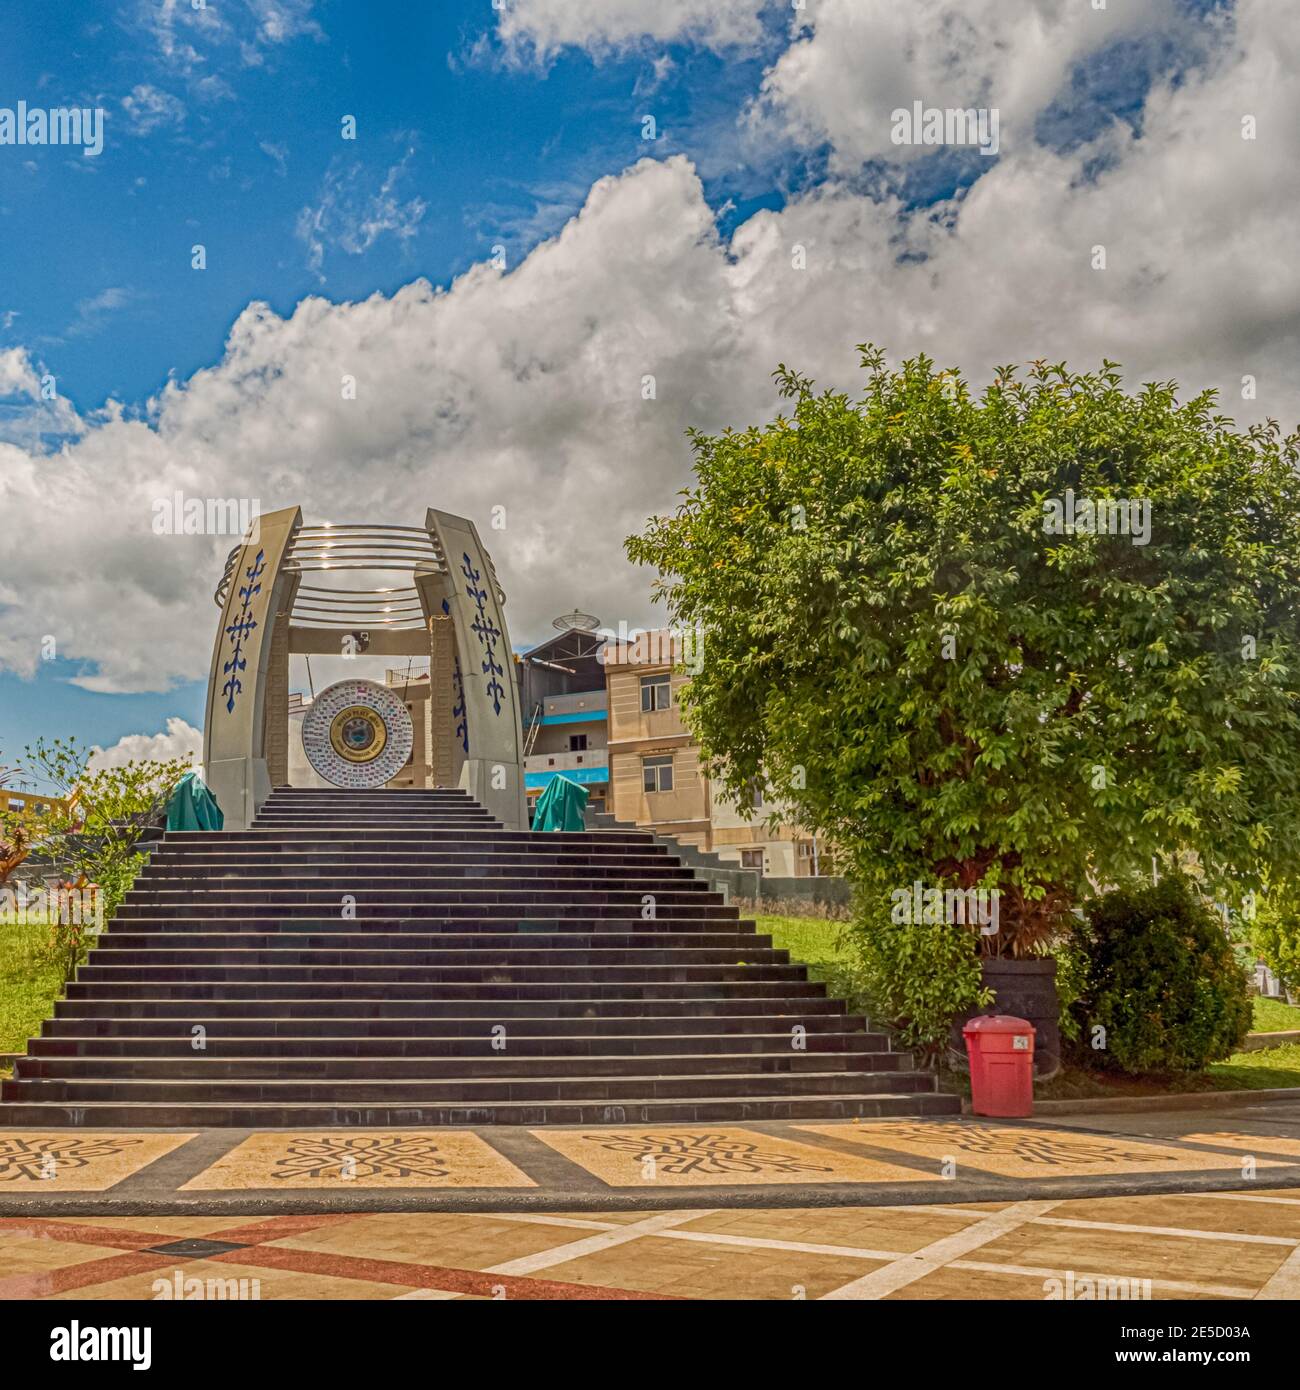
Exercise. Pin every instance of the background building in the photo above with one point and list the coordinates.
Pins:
(655, 776)
(563, 700)
(608, 716)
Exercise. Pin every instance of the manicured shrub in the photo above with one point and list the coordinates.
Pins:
(1161, 989)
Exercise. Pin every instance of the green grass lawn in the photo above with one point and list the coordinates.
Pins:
(817, 944)
(28, 986)
(1273, 1016)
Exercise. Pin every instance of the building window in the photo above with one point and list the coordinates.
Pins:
(751, 858)
(657, 773)
(756, 794)
(805, 849)
(656, 693)
(577, 743)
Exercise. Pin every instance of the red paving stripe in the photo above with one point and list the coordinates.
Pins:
(39, 1228)
(280, 1227)
(43, 1283)
(417, 1276)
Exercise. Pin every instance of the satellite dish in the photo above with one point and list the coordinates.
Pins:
(576, 622)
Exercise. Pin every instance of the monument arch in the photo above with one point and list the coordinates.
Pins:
(448, 608)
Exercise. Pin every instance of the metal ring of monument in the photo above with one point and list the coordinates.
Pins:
(293, 589)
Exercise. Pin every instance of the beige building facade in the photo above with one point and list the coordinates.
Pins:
(655, 777)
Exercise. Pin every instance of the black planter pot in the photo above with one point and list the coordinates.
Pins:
(1024, 989)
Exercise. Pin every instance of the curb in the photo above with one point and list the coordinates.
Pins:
(1261, 1042)
(504, 1202)
(1189, 1100)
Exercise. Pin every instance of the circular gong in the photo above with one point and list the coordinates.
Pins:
(357, 734)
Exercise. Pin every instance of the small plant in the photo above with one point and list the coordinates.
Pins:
(1160, 989)
(95, 830)
(918, 977)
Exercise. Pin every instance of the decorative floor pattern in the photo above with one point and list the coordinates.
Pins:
(885, 1161)
(70, 1160)
(1018, 1151)
(1239, 1245)
(351, 1159)
(701, 1156)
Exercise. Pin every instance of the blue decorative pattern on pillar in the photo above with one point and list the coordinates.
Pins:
(458, 685)
(487, 633)
(240, 629)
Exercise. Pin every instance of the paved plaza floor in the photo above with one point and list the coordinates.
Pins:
(1223, 1245)
(1204, 1204)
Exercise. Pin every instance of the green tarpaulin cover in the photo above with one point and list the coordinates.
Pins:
(560, 806)
(193, 807)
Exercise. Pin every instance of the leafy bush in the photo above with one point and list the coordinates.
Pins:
(917, 977)
(1160, 977)
(106, 811)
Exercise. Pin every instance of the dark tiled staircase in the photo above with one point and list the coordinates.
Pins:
(399, 958)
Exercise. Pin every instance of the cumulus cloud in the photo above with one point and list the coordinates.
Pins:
(31, 410)
(857, 61)
(562, 389)
(545, 26)
(180, 740)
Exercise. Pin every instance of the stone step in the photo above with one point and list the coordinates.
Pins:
(251, 877)
(481, 982)
(287, 956)
(466, 1090)
(434, 891)
(607, 1028)
(163, 947)
(506, 971)
(399, 820)
(138, 915)
(719, 1109)
(485, 1065)
(481, 1040)
(472, 837)
(409, 923)
(379, 1005)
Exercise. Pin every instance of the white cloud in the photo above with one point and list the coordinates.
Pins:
(353, 215)
(279, 153)
(278, 21)
(525, 389)
(185, 34)
(601, 25)
(857, 61)
(30, 409)
(148, 108)
(181, 740)
(92, 312)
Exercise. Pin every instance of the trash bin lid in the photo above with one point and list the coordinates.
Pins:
(998, 1023)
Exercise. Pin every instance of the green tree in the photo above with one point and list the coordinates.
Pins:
(898, 643)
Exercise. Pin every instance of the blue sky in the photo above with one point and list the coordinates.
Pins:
(771, 220)
(228, 151)
(96, 251)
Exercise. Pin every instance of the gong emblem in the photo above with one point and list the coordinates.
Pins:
(357, 734)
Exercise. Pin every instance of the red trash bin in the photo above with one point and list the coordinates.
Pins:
(1001, 1051)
